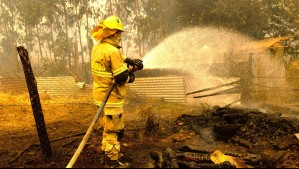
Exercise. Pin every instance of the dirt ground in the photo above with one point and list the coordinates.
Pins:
(67, 120)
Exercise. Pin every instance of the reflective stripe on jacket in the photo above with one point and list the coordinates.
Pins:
(107, 62)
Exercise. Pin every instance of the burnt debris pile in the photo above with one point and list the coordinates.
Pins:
(248, 127)
(263, 140)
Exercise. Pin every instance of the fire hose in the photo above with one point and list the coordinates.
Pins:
(90, 129)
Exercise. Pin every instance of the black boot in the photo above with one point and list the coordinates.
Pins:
(115, 164)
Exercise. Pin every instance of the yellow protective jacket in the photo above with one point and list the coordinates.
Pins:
(106, 63)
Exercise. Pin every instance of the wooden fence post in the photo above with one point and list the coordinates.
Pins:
(35, 103)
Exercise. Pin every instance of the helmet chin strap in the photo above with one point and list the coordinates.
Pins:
(117, 37)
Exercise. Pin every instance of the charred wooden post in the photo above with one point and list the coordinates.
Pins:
(184, 164)
(250, 159)
(190, 148)
(194, 157)
(189, 153)
(157, 157)
(152, 125)
(35, 103)
(169, 159)
(241, 142)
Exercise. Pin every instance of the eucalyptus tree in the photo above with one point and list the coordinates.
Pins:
(30, 15)
(256, 18)
(159, 20)
(113, 7)
(129, 11)
(284, 17)
(64, 21)
(82, 10)
(137, 11)
(51, 25)
(9, 35)
(170, 16)
(78, 8)
(90, 15)
(65, 7)
(284, 22)
(245, 16)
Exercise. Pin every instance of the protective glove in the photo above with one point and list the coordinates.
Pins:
(139, 64)
(131, 77)
(134, 64)
(130, 61)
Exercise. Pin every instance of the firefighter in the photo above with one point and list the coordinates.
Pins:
(109, 66)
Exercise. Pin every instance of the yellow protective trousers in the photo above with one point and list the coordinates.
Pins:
(113, 125)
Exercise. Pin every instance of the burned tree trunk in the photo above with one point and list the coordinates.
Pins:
(35, 103)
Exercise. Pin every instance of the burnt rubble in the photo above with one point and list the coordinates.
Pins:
(268, 139)
(249, 127)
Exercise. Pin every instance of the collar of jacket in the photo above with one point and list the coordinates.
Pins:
(111, 40)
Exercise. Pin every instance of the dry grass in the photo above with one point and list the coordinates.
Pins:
(11, 98)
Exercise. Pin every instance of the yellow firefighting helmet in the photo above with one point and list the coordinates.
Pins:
(113, 22)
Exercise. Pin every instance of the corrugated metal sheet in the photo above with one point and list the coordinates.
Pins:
(16, 84)
(169, 88)
(57, 86)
